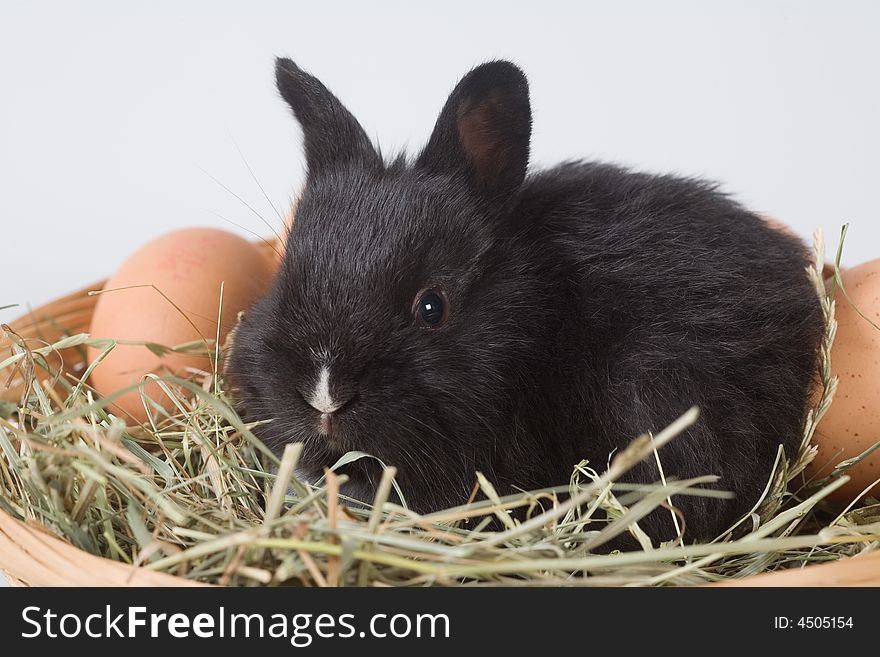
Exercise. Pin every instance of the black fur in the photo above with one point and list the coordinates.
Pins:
(588, 304)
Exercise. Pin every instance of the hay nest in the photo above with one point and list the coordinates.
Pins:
(192, 496)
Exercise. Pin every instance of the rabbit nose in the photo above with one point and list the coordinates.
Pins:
(330, 407)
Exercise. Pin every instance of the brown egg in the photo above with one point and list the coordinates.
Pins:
(852, 424)
(187, 267)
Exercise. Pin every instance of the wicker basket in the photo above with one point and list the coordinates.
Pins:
(30, 556)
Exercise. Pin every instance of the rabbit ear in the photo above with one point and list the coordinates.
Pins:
(331, 134)
(484, 129)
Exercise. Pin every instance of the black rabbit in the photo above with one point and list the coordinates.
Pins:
(454, 313)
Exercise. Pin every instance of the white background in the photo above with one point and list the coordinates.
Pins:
(115, 116)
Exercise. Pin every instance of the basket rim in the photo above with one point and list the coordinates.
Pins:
(34, 557)
(30, 555)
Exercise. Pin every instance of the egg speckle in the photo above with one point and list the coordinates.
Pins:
(852, 423)
(168, 292)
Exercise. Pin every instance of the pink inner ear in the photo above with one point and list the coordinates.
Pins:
(480, 135)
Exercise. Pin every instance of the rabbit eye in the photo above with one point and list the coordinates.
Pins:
(431, 308)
